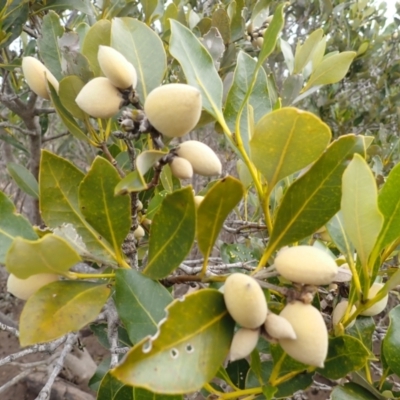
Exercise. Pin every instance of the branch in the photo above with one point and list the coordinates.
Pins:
(112, 331)
(37, 348)
(16, 379)
(10, 329)
(46, 390)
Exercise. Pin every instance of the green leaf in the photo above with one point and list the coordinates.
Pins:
(49, 254)
(198, 66)
(391, 342)
(100, 331)
(101, 371)
(389, 205)
(11, 226)
(59, 182)
(258, 99)
(108, 214)
(140, 302)
(305, 52)
(351, 391)
(24, 179)
(363, 330)
(70, 87)
(133, 182)
(335, 228)
(278, 137)
(314, 198)
(187, 351)
(361, 216)
(214, 209)
(143, 48)
(98, 34)
(59, 308)
(66, 116)
(237, 20)
(271, 34)
(112, 389)
(155, 204)
(331, 69)
(172, 233)
(147, 159)
(48, 43)
(345, 354)
(237, 372)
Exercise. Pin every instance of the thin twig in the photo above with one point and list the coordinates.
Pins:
(44, 394)
(37, 348)
(17, 128)
(10, 329)
(16, 379)
(112, 331)
(47, 139)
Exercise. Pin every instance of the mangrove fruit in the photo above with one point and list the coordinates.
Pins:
(278, 327)
(380, 305)
(25, 288)
(181, 168)
(243, 343)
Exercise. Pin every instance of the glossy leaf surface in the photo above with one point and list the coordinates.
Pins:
(11, 226)
(110, 215)
(389, 205)
(59, 204)
(59, 308)
(191, 345)
(198, 66)
(133, 182)
(361, 216)
(391, 342)
(49, 254)
(278, 137)
(214, 209)
(314, 198)
(172, 233)
(351, 391)
(345, 354)
(140, 302)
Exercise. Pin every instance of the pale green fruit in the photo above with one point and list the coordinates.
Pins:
(243, 343)
(380, 305)
(203, 159)
(173, 109)
(198, 200)
(339, 311)
(138, 232)
(181, 168)
(25, 288)
(99, 98)
(311, 345)
(279, 327)
(245, 300)
(37, 75)
(306, 264)
(121, 73)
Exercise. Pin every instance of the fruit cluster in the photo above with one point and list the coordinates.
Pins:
(299, 329)
(171, 110)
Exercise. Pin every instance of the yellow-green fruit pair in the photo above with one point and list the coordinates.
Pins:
(173, 109)
(201, 157)
(306, 264)
(100, 98)
(181, 168)
(25, 288)
(245, 300)
(311, 344)
(37, 75)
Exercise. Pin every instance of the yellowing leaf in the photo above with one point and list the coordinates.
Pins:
(331, 69)
(361, 216)
(50, 254)
(59, 308)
